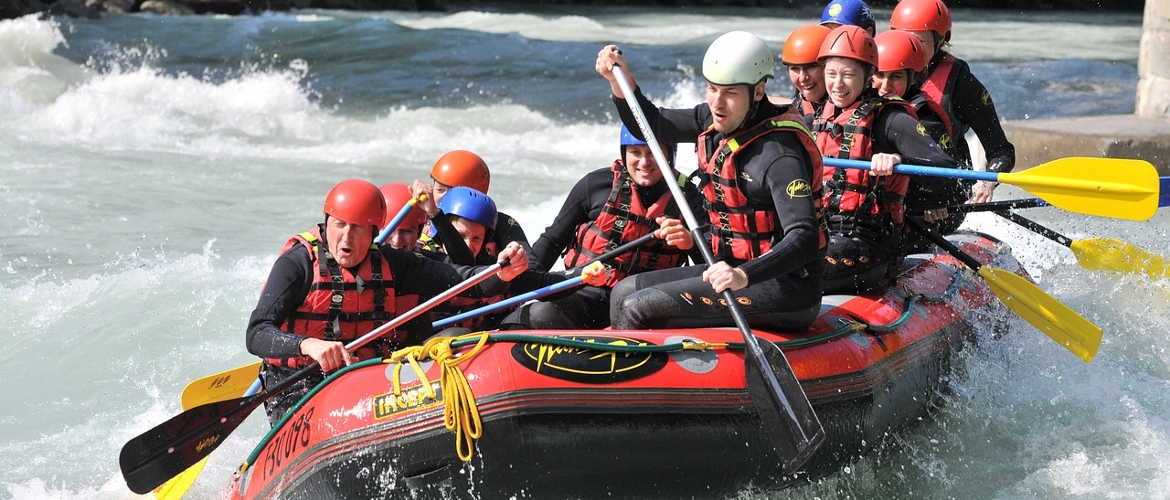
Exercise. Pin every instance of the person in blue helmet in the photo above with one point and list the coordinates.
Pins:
(472, 216)
(851, 12)
(605, 209)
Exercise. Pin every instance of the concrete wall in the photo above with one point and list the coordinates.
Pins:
(1153, 94)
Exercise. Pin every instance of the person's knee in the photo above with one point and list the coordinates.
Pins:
(537, 315)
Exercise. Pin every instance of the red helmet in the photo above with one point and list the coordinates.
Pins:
(922, 15)
(849, 41)
(357, 202)
(397, 194)
(899, 50)
(803, 45)
(462, 168)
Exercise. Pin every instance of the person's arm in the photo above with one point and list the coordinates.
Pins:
(796, 213)
(450, 240)
(574, 212)
(670, 125)
(898, 132)
(974, 107)
(283, 293)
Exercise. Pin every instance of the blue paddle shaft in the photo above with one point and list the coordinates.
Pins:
(519, 299)
(954, 173)
(393, 223)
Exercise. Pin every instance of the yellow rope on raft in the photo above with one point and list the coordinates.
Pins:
(460, 413)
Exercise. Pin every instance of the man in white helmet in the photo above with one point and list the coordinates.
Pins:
(760, 176)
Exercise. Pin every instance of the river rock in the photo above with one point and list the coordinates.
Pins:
(165, 7)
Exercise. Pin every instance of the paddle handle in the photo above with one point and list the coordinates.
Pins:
(519, 299)
(398, 218)
(623, 248)
(996, 206)
(755, 353)
(1035, 227)
(902, 168)
(425, 306)
(916, 224)
(1164, 191)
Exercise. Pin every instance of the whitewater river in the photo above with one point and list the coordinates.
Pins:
(151, 168)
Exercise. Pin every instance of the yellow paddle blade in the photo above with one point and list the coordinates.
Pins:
(1108, 187)
(1110, 254)
(1047, 314)
(222, 386)
(177, 486)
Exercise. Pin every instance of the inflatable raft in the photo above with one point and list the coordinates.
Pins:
(658, 413)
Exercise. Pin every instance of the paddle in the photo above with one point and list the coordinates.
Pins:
(1097, 254)
(1110, 187)
(1047, 314)
(160, 453)
(788, 418)
(177, 486)
(220, 386)
(547, 290)
(402, 212)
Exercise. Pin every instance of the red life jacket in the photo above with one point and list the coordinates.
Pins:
(743, 229)
(854, 197)
(935, 93)
(462, 303)
(806, 109)
(334, 309)
(625, 217)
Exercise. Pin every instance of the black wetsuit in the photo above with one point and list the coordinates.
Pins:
(894, 131)
(288, 285)
(973, 109)
(447, 240)
(587, 306)
(784, 284)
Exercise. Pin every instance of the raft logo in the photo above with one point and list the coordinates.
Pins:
(578, 364)
(386, 405)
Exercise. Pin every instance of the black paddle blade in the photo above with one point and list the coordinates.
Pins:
(791, 426)
(172, 446)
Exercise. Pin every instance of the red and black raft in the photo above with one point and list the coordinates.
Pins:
(562, 418)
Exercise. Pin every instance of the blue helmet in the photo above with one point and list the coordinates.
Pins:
(851, 12)
(628, 139)
(469, 204)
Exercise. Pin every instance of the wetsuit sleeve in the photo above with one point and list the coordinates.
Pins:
(898, 132)
(974, 107)
(508, 230)
(575, 211)
(449, 238)
(670, 125)
(778, 164)
(283, 293)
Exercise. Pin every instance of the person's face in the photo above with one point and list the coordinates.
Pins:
(641, 166)
(892, 83)
(844, 80)
(438, 189)
(809, 80)
(404, 238)
(730, 104)
(928, 45)
(472, 233)
(349, 243)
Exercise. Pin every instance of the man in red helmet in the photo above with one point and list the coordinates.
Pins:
(463, 168)
(330, 286)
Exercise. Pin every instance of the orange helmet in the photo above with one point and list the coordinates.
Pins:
(922, 15)
(848, 41)
(397, 194)
(462, 168)
(803, 45)
(898, 50)
(357, 202)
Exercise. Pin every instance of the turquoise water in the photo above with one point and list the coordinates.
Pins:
(151, 167)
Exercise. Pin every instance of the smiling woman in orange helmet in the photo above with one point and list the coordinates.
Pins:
(865, 208)
(951, 101)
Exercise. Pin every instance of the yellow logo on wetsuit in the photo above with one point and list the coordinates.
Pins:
(921, 129)
(799, 188)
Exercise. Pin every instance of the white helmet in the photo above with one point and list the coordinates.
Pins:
(738, 58)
